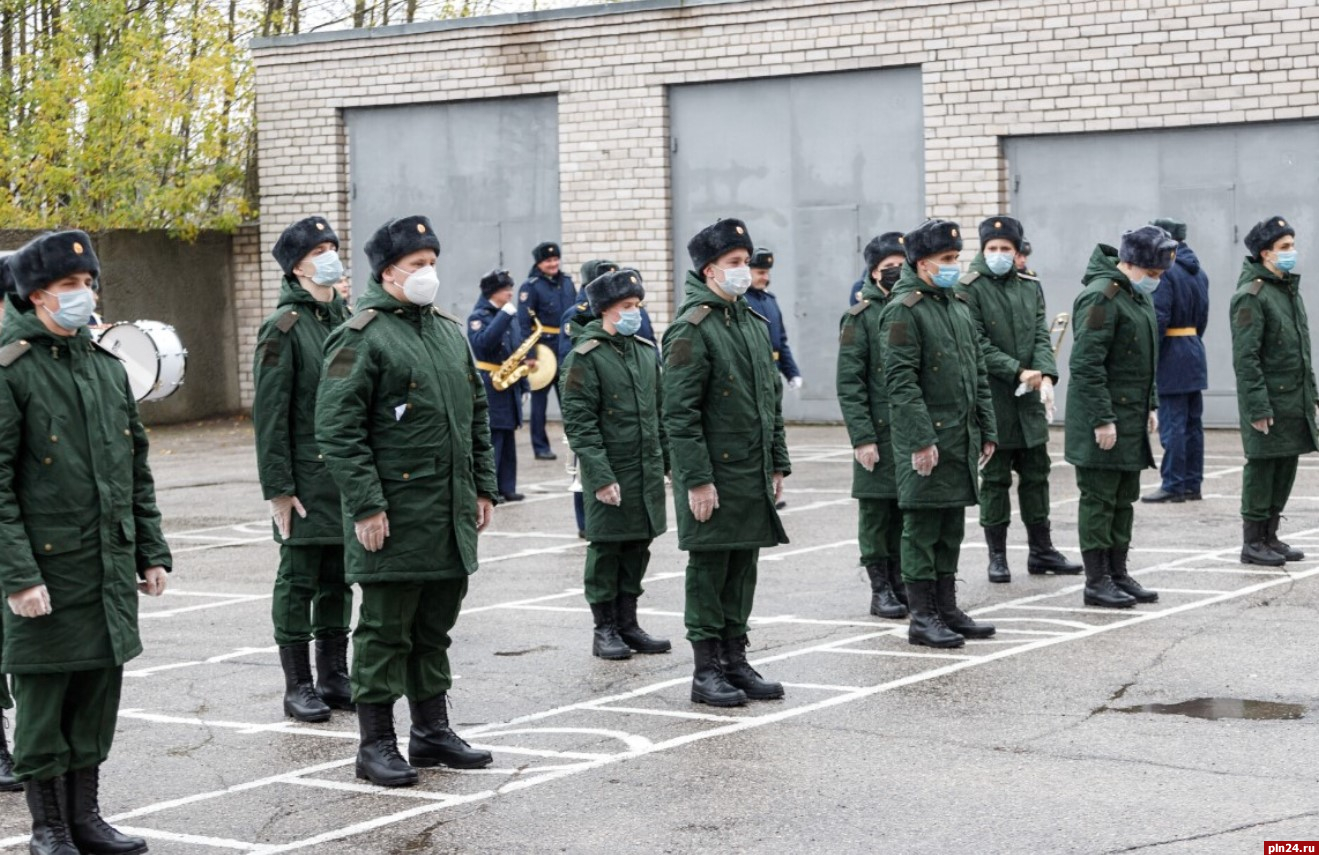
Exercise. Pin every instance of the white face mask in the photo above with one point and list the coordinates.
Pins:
(736, 280)
(420, 286)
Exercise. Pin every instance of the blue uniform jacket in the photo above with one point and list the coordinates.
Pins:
(566, 324)
(1182, 301)
(494, 337)
(856, 290)
(768, 305)
(548, 299)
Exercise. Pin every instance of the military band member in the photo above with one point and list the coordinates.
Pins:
(81, 537)
(763, 301)
(402, 422)
(612, 404)
(493, 330)
(724, 419)
(1111, 403)
(1022, 259)
(546, 295)
(311, 599)
(863, 397)
(1008, 309)
(8, 783)
(1276, 393)
(943, 427)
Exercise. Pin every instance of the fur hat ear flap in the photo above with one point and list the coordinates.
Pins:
(543, 251)
(1003, 227)
(1264, 234)
(301, 238)
(610, 288)
(880, 248)
(761, 259)
(51, 257)
(717, 240)
(932, 237)
(398, 238)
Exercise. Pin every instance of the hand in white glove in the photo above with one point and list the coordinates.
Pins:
(372, 531)
(1262, 425)
(795, 383)
(1106, 436)
(509, 308)
(778, 487)
(703, 500)
(1152, 426)
(154, 583)
(610, 495)
(485, 514)
(867, 455)
(925, 460)
(281, 510)
(31, 602)
(1046, 397)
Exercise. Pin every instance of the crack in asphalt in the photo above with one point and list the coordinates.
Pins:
(1211, 834)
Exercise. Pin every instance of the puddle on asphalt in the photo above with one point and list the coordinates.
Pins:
(1220, 708)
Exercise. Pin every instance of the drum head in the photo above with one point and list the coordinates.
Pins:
(138, 352)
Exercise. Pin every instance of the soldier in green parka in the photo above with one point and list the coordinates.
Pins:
(1008, 308)
(612, 415)
(1111, 403)
(402, 421)
(8, 783)
(863, 397)
(943, 427)
(312, 600)
(723, 415)
(1276, 395)
(80, 536)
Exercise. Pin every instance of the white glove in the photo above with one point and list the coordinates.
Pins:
(1022, 389)
(31, 602)
(281, 510)
(610, 495)
(795, 383)
(925, 460)
(703, 501)
(1046, 398)
(509, 308)
(1106, 436)
(372, 531)
(867, 455)
(1153, 425)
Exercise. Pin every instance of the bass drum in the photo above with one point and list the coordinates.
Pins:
(153, 355)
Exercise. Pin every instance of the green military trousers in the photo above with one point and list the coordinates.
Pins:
(879, 530)
(65, 721)
(615, 568)
(721, 586)
(1032, 467)
(1266, 484)
(401, 644)
(6, 701)
(311, 598)
(931, 542)
(1105, 515)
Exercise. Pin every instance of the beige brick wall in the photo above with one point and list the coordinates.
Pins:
(991, 68)
(249, 302)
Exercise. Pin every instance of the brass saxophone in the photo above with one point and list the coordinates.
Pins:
(512, 370)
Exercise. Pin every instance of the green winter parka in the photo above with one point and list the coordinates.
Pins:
(863, 392)
(1014, 334)
(290, 354)
(938, 392)
(1112, 365)
(612, 413)
(1271, 357)
(401, 419)
(77, 500)
(723, 414)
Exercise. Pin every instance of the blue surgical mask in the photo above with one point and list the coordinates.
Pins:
(629, 321)
(1146, 285)
(329, 269)
(75, 308)
(1286, 260)
(999, 262)
(948, 275)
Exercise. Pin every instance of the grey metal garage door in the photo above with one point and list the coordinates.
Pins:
(485, 172)
(816, 165)
(1072, 192)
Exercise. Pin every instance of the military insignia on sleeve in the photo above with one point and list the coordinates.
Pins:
(1094, 319)
(523, 296)
(678, 354)
(476, 325)
(897, 334)
(1245, 317)
(270, 352)
(848, 335)
(342, 363)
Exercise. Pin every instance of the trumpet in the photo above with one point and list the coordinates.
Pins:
(512, 370)
(1058, 330)
(574, 471)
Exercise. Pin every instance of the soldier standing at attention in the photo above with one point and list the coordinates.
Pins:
(863, 397)
(492, 330)
(8, 783)
(1276, 393)
(1008, 309)
(1111, 403)
(82, 537)
(943, 426)
(612, 408)
(571, 325)
(546, 295)
(724, 419)
(311, 600)
(402, 422)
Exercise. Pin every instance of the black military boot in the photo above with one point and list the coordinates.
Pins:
(883, 600)
(1117, 569)
(300, 699)
(332, 682)
(631, 632)
(996, 538)
(433, 742)
(47, 801)
(738, 671)
(378, 758)
(606, 642)
(1272, 542)
(1099, 587)
(895, 579)
(8, 784)
(1043, 557)
(927, 627)
(1254, 549)
(709, 685)
(945, 598)
(91, 834)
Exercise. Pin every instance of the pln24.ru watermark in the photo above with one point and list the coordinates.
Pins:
(1287, 847)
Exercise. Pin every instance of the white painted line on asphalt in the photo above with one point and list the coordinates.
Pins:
(212, 595)
(221, 545)
(246, 727)
(1235, 571)
(1163, 590)
(823, 687)
(344, 786)
(234, 602)
(378, 822)
(191, 839)
(779, 556)
(694, 716)
(540, 752)
(813, 506)
(236, 654)
(1076, 609)
(905, 654)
